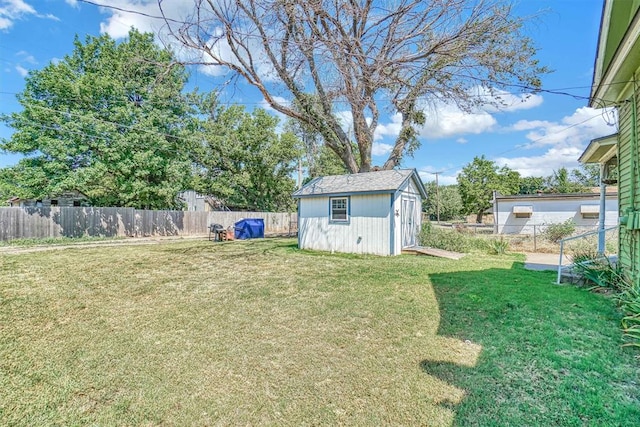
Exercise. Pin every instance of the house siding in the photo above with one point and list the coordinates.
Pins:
(629, 183)
(367, 231)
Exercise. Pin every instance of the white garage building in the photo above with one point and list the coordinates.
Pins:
(520, 214)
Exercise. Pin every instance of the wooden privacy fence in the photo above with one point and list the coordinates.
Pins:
(37, 223)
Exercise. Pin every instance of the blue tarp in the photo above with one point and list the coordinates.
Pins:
(249, 228)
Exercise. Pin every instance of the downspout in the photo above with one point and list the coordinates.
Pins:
(634, 165)
(634, 146)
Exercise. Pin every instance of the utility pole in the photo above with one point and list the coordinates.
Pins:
(437, 195)
(437, 199)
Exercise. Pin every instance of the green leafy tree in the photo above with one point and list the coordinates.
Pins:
(106, 120)
(243, 160)
(479, 179)
(531, 185)
(446, 200)
(561, 182)
(587, 175)
(317, 158)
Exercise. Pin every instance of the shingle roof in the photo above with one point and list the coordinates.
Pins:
(386, 181)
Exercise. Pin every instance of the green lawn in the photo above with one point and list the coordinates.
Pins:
(260, 333)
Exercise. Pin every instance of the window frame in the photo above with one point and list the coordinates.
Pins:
(346, 209)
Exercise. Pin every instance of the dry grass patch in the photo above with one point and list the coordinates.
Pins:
(198, 333)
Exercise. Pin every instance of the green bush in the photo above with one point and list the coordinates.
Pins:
(597, 270)
(558, 231)
(498, 246)
(602, 273)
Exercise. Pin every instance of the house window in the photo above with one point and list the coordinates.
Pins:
(54, 202)
(339, 209)
(76, 203)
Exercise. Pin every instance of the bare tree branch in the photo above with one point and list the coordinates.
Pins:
(373, 55)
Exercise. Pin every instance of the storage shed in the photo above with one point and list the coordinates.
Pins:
(366, 213)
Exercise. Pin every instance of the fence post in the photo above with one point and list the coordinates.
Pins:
(535, 238)
(560, 262)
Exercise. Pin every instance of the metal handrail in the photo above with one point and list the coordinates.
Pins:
(580, 236)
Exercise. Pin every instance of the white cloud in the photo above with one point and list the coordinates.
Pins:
(444, 120)
(564, 140)
(499, 100)
(579, 128)
(428, 174)
(380, 149)
(72, 3)
(25, 56)
(391, 129)
(543, 165)
(120, 22)
(11, 10)
(143, 15)
(462, 140)
(266, 106)
(22, 71)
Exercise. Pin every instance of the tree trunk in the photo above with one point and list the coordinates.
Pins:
(479, 217)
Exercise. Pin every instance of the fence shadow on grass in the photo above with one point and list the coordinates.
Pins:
(546, 355)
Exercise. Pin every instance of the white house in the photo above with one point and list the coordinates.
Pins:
(519, 214)
(365, 213)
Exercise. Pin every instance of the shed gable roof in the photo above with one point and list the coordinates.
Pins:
(387, 181)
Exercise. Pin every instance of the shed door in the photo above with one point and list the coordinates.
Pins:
(408, 223)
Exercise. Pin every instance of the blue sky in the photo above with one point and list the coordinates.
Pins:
(535, 137)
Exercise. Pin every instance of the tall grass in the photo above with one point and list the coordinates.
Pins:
(460, 240)
(600, 272)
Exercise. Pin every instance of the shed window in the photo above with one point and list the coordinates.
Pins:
(523, 211)
(590, 211)
(54, 202)
(339, 209)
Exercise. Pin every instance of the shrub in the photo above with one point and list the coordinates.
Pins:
(450, 240)
(558, 231)
(602, 273)
(597, 270)
(629, 300)
(498, 246)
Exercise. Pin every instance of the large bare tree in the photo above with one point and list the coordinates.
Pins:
(365, 56)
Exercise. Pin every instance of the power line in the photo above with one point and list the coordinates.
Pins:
(561, 91)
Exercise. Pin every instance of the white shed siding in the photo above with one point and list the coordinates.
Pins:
(410, 189)
(551, 212)
(368, 229)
